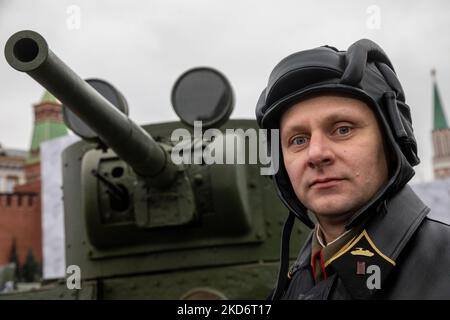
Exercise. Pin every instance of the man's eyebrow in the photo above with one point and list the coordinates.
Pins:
(338, 115)
(341, 115)
(295, 128)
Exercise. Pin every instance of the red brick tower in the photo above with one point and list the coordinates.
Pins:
(20, 211)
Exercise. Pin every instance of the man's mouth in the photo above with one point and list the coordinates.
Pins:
(324, 183)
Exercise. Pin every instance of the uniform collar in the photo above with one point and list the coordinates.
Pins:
(320, 252)
(364, 263)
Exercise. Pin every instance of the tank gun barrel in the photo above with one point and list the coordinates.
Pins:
(27, 51)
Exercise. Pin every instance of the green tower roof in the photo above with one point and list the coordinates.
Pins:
(440, 122)
(44, 131)
(48, 97)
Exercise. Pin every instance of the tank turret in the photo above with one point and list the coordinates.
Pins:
(140, 223)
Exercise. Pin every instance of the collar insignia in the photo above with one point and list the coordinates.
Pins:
(362, 252)
(362, 266)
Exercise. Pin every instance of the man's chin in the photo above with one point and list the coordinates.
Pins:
(332, 208)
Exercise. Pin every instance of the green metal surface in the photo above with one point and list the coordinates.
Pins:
(213, 243)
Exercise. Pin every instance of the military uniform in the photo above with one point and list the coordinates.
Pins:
(411, 251)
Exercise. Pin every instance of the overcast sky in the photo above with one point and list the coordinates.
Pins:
(141, 47)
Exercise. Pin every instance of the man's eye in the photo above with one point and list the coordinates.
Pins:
(344, 130)
(299, 140)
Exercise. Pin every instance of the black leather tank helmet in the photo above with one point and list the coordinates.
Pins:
(363, 72)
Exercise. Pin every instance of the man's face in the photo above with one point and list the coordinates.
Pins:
(334, 154)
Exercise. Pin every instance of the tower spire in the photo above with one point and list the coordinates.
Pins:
(440, 121)
(441, 135)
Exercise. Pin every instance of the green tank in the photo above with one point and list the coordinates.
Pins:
(138, 225)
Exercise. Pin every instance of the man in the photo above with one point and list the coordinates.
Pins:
(347, 151)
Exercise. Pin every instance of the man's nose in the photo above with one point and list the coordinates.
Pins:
(319, 151)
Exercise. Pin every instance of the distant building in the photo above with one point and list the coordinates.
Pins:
(441, 136)
(20, 193)
(12, 172)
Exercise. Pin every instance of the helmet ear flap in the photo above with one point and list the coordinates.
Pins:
(399, 116)
(356, 57)
(392, 80)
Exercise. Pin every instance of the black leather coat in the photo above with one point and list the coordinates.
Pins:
(410, 250)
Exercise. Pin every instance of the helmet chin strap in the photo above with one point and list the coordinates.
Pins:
(284, 257)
